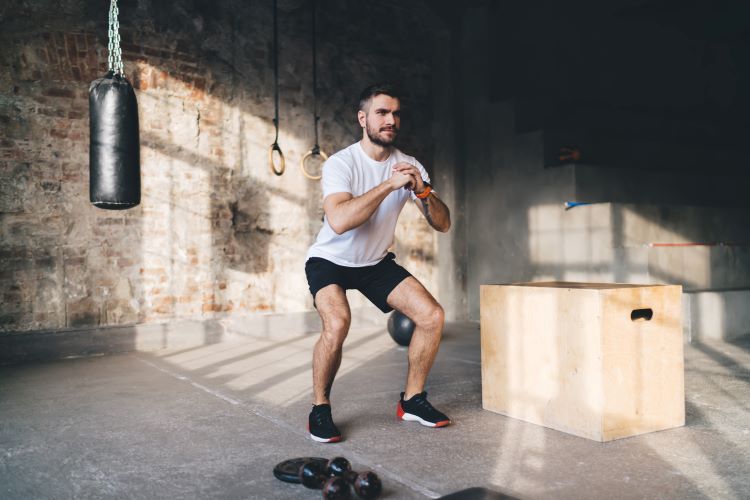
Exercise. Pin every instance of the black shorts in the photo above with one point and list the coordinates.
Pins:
(375, 282)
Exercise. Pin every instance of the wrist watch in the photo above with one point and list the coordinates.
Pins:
(425, 192)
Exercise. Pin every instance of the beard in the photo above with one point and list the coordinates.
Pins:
(378, 139)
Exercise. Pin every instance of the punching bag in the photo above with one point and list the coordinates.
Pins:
(114, 148)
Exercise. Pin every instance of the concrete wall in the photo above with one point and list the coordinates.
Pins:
(216, 232)
(661, 140)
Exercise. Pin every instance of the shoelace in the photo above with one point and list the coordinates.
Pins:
(422, 401)
(323, 418)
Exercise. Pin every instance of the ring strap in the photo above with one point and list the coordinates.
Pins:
(275, 146)
(315, 151)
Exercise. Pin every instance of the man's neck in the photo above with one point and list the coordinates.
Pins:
(375, 151)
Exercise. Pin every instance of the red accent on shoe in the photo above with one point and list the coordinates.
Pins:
(399, 411)
(442, 423)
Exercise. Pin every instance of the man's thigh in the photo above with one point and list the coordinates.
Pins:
(412, 298)
(333, 306)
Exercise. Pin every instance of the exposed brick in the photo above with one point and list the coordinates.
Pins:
(83, 317)
(58, 92)
(204, 146)
(130, 48)
(153, 272)
(185, 47)
(61, 113)
(50, 186)
(12, 254)
(187, 69)
(11, 321)
(152, 52)
(80, 42)
(41, 52)
(47, 262)
(211, 308)
(70, 47)
(160, 79)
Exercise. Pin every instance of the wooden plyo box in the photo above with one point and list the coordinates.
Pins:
(600, 361)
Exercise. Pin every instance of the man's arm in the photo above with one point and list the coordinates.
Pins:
(435, 211)
(345, 212)
(432, 207)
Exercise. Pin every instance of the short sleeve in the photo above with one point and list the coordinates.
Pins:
(337, 177)
(425, 175)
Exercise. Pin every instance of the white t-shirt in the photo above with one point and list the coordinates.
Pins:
(352, 171)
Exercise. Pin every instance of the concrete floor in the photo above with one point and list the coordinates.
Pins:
(211, 421)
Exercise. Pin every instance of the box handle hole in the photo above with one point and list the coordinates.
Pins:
(642, 314)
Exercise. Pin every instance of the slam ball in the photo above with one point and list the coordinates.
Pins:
(401, 328)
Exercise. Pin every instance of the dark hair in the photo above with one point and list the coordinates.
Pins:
(375, 90)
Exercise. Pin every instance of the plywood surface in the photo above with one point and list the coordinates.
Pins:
(571, 358)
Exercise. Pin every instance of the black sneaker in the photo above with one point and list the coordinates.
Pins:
(321, 426)
(418, 409)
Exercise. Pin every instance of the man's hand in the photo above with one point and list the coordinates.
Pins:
(345, 211)
(415, 181)
(401, 179)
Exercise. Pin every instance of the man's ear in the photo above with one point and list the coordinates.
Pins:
(362, 117)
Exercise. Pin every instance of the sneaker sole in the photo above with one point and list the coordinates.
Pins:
(334, 439)
(410, 417)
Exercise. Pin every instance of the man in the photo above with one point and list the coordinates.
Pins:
(365, 186)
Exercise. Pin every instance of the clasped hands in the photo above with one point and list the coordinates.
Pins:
(407, 176)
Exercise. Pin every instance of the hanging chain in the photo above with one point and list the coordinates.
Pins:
(115, 53)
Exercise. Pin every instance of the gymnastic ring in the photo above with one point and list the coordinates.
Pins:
(271, 164)
(310, 154)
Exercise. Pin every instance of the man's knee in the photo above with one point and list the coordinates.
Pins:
(432, 318)
(336, 326)
(338, 323)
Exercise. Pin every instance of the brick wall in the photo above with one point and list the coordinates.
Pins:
(216, 232)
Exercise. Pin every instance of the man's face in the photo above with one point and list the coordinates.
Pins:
(382, 119)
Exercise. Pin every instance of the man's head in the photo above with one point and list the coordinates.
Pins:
(379, 113)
